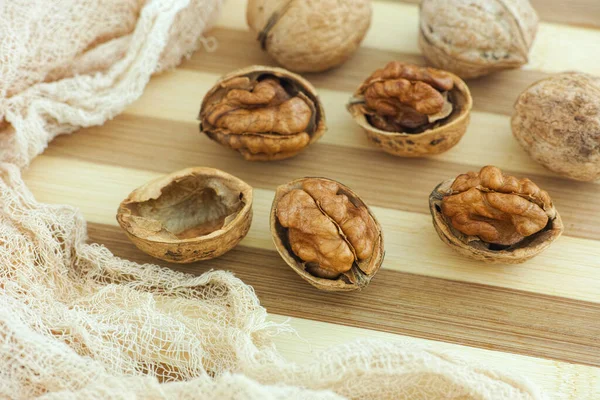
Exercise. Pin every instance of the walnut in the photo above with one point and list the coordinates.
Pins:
(478, 37)
(557, 121)
(326, 233)
(493, 217)
(190, 215)
(309, 35)
(412, 111)
(263, 113)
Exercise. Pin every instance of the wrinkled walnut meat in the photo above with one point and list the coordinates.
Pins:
(327, 232)
(499, 209)
(264, 115)
(412, 111)
(406, 98)
(492, 212)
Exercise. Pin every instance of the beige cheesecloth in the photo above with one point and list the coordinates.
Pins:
(77, 322)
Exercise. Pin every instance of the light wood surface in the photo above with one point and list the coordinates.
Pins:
(540, 319)
(561, 381)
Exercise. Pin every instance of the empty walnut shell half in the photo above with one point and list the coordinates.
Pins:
(412, 111)
(309, 36)
(476, 37)
(264, 113)
(495, 218)
(327, 234)
(190, 215)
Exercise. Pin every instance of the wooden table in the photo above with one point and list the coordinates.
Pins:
(540, 319)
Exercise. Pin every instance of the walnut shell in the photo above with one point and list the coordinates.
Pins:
(309, 35)
(264, 113)
(478, 37)
(190, 215)
(326, 233)
(557, 121)
(435, 136)
(516, 216)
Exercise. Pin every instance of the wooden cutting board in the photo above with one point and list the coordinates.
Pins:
(540, 319)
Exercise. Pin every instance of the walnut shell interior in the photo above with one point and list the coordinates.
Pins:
(475, 248)
(438, 136)
(362, 270)
(190, 215)
(239, 114)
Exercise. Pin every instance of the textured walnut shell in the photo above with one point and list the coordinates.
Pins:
(475, 248)
(440, 138)
(557, 121)
(475, 38)
(355, 278)
(266, 146)
(309, 35)
(187, 216)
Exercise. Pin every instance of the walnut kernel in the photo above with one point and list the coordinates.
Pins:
(494, 217)
(412, 111)
(326, 234)
(263, 113)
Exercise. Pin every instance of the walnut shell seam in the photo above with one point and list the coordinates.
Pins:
(331, 30)
(501, 34)
(271, 22)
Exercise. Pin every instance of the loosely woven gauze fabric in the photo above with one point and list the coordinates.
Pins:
(76, 322)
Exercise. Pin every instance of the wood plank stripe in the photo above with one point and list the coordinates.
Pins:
(424, 290)
(394, 28)
(580, 12)
(495, 94)
(560, 380)
(567, 269)
(489, 139)
(584, 13)
(402, 184)
(457, 312)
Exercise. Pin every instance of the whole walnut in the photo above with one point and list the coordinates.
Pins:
(557, 121)
(476, 37)
(326, 233)
(412, 111)
(264, 113)
(309, 35)
(494, 217)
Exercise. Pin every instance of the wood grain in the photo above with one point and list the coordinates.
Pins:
(402, 184)
(490, 139)
(425, 293)
(411, 243)
(394, 29)
(495, 94)
(562, 381)
(409, 304)
(580, 13)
